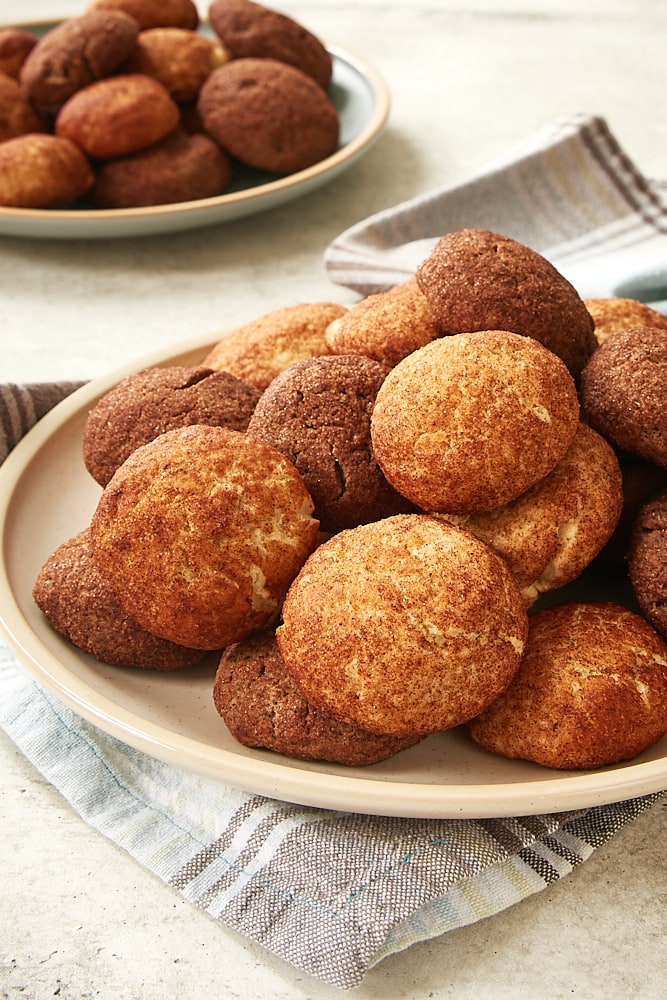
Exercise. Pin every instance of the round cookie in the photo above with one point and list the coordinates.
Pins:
(623, 392)
(647, 560)
(17, 115)
(180, 59)
(263, 706)
(386, 326)
(157, 400)
(475, 279)
(118, 115)
(250, 29)
(78, 604)
(613, 314)
(178, 168)
(591, 690)
(259, 350)
(268, 115)
(549, 534)
(15, 45)
(75, 53)
(42, 171)
(318, 414)
(642, 480)
(200, 532)
(471, 421)
(404, 626)
(155, 13)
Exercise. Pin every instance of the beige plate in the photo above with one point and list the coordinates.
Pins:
(362, 99)
(46, 496)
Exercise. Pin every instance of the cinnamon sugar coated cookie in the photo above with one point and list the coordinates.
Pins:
(72, 594)
(471, 421)
(404, 626)
(259, 350)
(318, 414)
(624, 392)
(155, 13)
(647, 560)
(613, 314)
(42, 171)
(591, 690)
(200, 533)
(475, 279)
(17, 115)
(156, 400)
(263, 706)
(15, 45)
(180, 59)
(554, 530)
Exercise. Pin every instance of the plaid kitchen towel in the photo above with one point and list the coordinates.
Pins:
(334, 893)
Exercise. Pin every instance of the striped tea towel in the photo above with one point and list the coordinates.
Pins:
(570, 192)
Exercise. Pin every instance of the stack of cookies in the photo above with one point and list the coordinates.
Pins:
(370, 513)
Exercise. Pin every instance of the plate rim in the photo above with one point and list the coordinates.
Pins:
(295, 782)
(87, 219)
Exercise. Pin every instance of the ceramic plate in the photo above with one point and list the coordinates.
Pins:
(362, 100)
(46, 496)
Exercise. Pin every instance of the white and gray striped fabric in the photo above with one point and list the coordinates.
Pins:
(334, 893)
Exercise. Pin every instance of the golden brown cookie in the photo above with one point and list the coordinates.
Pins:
(178, 168)
(549, 534)
(75, 53)
(471, 421)
(42, 171)
(647, 560)
(263, 706)
(200, 532)
(475, 279)
(642, 480)
(614, 314)
(268, 115)
(180, 59)
(318, 414)
(386, 326)
(404, 626)
(591, 690)
(118, 115)
(78, 604)
(623, 392)
(157, 400)
(155, 13)
(15, 44)
(251, 29)
(257, 351)
(17, 115)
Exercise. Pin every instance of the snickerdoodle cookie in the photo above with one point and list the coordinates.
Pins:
(647, 560)
(200, 533)
(591, 690)
(475, 279)
(471, 421)
(613, 314)
(404, 626)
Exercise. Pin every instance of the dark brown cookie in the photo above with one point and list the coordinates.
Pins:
(178, 168)
(475, 279)
(155, 13)
(157, 400)
(250, 29)
(42, 171)
(647, 560)
(75, 53)
(591, 690)
(263, 706)
(318, 414)
(73, 596)
(269, 115)
(623, 392)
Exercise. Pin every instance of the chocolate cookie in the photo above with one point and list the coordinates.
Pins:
(72, 594)
(471, 421)
(200, 532)
(613, 314)
(157, 400)
(268, 115)
(318, 414)
(647, 560)
(591, 690)
(404, 626)
(623, 392)
(250, 29)
(263, 706)
(475, 279)
(259, 350)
